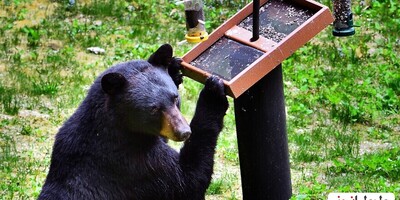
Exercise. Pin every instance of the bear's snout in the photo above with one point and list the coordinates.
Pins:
(184, 134)
(174, 126)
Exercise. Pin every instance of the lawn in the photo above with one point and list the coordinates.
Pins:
(342, 94)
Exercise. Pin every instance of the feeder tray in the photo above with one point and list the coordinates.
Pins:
(228, 53)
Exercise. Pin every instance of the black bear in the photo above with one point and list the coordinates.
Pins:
(114, 146)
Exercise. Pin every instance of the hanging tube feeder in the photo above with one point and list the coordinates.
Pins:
(195, 24)
(343, 24)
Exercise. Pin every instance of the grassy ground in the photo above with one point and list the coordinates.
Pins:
(342, 94)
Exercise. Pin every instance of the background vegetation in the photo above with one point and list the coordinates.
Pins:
(342, 94)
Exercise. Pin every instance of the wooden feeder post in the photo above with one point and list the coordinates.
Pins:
(249, 62)
(262, 139)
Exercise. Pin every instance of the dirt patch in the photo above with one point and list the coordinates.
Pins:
(87, 58)
(37, 11)
(3, 13)
(2, 67)
(33, 114)
(367, 147)
(55, 44)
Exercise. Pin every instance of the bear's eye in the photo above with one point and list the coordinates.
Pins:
(154, 110)
(176, 100)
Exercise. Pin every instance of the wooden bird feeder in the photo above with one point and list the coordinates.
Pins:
(230, 54)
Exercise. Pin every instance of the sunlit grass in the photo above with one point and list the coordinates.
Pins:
(342, 94)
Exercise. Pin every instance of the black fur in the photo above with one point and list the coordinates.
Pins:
(110, 147)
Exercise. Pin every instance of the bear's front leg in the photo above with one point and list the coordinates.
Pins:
(197, 154)
(211, 108)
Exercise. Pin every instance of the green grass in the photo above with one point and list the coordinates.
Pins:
(342, 94)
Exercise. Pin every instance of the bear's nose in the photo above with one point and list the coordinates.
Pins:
(184, 134)
(174, 126)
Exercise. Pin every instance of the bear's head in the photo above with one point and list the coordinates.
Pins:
(143, 98)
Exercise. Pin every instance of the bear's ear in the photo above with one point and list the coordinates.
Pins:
(111, 83)
(162, 57)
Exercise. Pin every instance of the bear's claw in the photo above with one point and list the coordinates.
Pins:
(215, 85)
(174, 69)
(214, 93)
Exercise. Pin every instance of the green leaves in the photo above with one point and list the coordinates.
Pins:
(33, 36)
(382, 164)
(340, 92)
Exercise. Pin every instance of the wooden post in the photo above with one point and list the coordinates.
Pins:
(262, 139)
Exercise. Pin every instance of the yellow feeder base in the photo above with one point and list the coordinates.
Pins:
(197, 37)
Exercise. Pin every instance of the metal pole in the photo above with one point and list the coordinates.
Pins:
(256, 20)
(262, 140)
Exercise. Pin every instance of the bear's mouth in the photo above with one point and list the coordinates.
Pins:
(174, 126)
